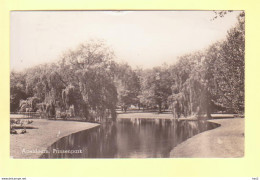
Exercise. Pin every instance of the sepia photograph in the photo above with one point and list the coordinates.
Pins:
(127, 84)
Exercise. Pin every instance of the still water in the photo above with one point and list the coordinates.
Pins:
(128, 138)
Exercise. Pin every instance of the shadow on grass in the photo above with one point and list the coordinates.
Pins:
(24, 127)
(73, 120)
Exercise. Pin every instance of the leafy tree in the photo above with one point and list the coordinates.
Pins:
(211, 80)
(128, 86)
(228, 71)
(17, 90)
(89, 69)
(82, 78)
(155, 88)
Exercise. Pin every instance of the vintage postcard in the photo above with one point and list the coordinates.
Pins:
(127, 84)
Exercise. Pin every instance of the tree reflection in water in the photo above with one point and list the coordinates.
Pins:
(129, 138)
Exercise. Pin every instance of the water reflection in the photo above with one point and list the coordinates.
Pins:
(129, 138)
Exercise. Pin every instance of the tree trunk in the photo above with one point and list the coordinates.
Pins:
(160, 108)
(209, 114)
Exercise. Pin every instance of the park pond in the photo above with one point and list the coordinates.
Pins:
(128, 138)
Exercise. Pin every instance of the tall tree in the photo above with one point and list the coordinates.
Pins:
(155, 88)
(89, 69)
(128, 86)
(17, 90)
(229, 64)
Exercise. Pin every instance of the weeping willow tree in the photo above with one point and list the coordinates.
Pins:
(211, 80)
(189, 92)
(89, 74)
(83, 78)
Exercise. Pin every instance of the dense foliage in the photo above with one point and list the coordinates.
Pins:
(211, 80)
(82, 80)
(89, 81)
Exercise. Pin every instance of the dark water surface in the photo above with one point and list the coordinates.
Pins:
(128, 138)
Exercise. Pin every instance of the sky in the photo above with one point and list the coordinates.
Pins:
(141, 38)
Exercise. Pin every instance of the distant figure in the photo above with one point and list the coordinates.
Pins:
(58, 134)
(58, 113)
(71, 111)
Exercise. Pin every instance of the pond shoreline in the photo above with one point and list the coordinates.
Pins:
(167, 115)
(226, 141)
(42, 134)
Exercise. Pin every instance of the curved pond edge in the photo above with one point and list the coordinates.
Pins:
(217, 125)
(45, 132)
(226, 141)
(68, 134)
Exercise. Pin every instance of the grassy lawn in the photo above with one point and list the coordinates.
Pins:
(224, 141)
(42, 134)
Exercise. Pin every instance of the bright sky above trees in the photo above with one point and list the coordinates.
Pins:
(141, 38)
